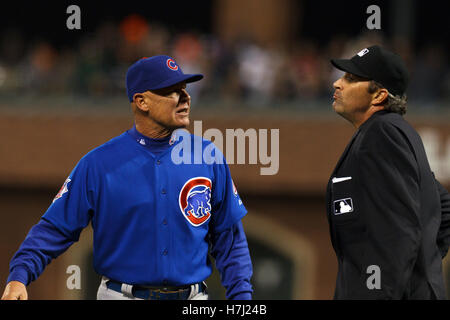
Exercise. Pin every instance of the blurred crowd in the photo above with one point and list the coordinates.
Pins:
(243, 72)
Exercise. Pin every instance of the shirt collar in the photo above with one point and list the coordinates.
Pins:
(151, 143)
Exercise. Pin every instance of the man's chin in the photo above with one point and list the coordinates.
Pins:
(337, 108)
(182, 124)
(339, 111)
(335, 105)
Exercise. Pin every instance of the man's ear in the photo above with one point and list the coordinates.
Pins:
(139, 100)
(380, 97)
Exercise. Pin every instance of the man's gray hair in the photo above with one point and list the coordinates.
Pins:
(395, 103)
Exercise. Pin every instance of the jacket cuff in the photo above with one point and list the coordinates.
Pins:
(20, 274)
(242, 296)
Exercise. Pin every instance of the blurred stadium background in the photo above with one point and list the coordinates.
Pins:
(266, 66)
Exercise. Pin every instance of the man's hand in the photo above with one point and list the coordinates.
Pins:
(15, 290)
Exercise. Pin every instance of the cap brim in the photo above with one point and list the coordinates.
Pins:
(188, 78)
(349, 66)
(194, 77)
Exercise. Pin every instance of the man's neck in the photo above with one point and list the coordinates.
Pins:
(358, 121)
(154, 132)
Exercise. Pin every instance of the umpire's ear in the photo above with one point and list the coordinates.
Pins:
(379, 97)
(139, 100)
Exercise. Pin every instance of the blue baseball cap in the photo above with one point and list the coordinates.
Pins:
(155, 73)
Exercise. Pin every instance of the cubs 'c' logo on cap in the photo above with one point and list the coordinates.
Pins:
(172, 64)
(195, 200)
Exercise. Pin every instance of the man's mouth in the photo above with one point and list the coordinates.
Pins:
(183, 111)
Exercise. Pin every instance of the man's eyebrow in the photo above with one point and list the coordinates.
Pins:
(178, 87)
(168, 90)
(348, 76)
(353, 77)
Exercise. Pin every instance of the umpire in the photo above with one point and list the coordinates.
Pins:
(389, 217)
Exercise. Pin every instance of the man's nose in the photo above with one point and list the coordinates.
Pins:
(337, 84)
(184, 95)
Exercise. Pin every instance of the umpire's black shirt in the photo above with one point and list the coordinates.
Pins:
(384, 212)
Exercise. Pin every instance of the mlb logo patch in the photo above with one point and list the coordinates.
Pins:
(343, 206)
(363, 52)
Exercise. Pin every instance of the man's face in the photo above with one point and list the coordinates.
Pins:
(169, 107)
(351, 96)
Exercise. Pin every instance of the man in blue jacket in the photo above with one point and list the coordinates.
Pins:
(154, 219)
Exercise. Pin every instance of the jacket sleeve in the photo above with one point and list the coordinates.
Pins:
(230, 251)
(59, 227)
(443, 239)
(389, 188)
(43, 243)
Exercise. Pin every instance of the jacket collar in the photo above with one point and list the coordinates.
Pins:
(361, 128)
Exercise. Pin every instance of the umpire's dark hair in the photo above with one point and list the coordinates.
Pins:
(393, 103)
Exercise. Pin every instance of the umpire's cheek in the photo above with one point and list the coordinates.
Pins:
(336, 96)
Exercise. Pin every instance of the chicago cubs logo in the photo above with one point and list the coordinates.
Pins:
(172, 64)
(234, 189)
(195, 200)
(63, 190)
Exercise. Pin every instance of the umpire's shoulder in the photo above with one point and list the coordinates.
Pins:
(386, 129)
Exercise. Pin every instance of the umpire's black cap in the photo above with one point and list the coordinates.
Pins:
(378, 64)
